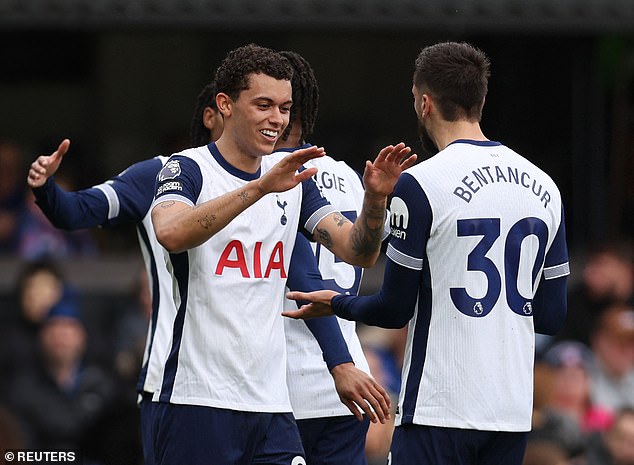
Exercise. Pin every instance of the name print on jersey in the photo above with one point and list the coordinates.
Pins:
(329, 181)
(485, 175)
(234, 257)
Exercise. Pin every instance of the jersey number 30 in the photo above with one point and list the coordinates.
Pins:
(489, 229)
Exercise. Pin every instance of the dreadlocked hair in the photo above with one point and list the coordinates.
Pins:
(198, 133)
(232, 76)
(305, 94)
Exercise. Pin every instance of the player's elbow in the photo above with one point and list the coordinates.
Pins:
(364, 260)
(168, 236)
(170, 240)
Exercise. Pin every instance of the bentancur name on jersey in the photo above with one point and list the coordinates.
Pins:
(485, 175)
(472, 182)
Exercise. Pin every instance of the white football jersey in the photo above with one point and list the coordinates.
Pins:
(312, 389)
(129, 197)
(491, 222)
(228, 348)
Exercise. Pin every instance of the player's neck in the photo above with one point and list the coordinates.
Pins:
(237, 157)
(448, 132)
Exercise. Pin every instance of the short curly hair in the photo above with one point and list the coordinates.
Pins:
(232, 76)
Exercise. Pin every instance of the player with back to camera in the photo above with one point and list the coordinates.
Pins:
(228, 215)
(477, 264)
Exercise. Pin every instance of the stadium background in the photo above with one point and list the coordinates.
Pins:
(120, 78)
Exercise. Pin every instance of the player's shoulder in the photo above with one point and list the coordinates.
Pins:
(143, 168)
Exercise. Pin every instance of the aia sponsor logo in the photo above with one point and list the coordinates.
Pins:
(252, 263)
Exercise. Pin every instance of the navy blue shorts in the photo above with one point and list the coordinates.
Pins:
(334, 440)
(198, 435)
(430, 445)
(146, 407)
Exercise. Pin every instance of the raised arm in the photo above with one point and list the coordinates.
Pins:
(180, 226)
(46, 166)
(359, 243)
(122, 198)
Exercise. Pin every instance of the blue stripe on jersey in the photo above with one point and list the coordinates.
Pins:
(479, 143)
(180, 263)
(156, 296)
(419, 345)
(314, 206)
(229, 167)
(292, 149)
(113, 200)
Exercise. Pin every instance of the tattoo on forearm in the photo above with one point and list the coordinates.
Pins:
(368, 231)
(244, 196)
(166, 204)
(324, 238)
(207, 221)
(340, 220)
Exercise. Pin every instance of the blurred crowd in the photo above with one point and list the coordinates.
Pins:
(69, 361)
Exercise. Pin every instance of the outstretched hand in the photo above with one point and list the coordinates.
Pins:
(46, 166)
(319, 304)
(381, 175)
(284, 176)
(361, 393)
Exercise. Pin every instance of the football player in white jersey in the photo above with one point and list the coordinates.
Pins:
(477, 264)
(126, 197)
(228, 215)
(330, 433)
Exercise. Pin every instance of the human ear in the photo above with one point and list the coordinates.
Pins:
(224, 104)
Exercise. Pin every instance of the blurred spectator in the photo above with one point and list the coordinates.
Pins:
(63, 402)
(384, 350)
(131, 332)
(12, 195)
(545, 452)
(548, 424)
(613, 347)
(607, 276)
(379, 435)
(39, 287)
(615, 446)
(570, 363)
(387, 347)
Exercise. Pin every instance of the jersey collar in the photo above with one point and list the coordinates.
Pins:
(229, 167)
